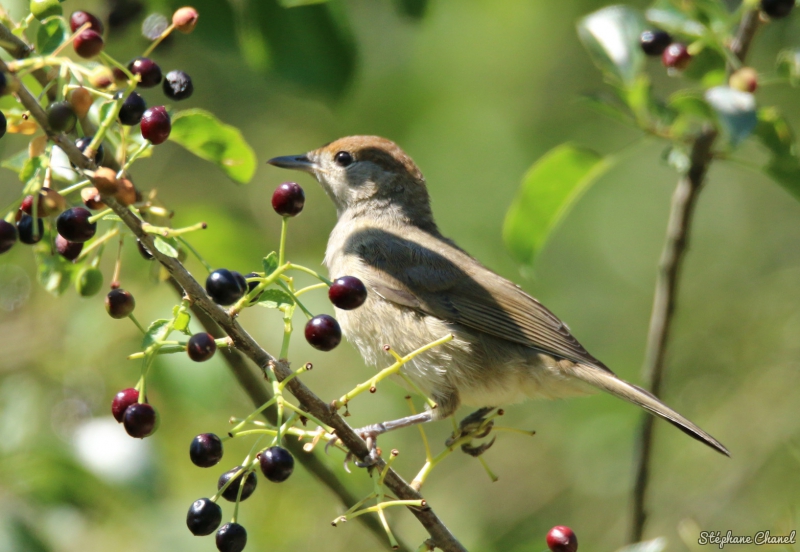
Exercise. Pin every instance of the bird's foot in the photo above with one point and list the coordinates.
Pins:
(370, 435)
(475, 426)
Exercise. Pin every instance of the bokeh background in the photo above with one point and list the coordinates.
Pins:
(475, 91)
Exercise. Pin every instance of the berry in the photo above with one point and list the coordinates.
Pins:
(277, 464)
(83, 143)
(80, 18)
(27, 206)
(745, 79)
(88, 44)
(74, 224)
(777, 9)
(347, 293)
(288, 199)
(8, 235)
(143, 251)
(92, 199)
(61, 117)
(140, 420)
(201, 347)
(119, 303)
(185, 19)
(231, 537)
(81, 101)
(148, 70)
(178, 85)
(156, 125)
(205, 450)
(204, 517)
(252, 285)
(225, 286)
(50, 202)
(26, 231)
(132, 110)
(105, 181)
(676, 56)
(67, 249)
(126, 192)
(89, 281)
(323, 332)
(232, 491)
(42, 9)
(122, 401)
(562, 539)
(654, 43)
(3, 121)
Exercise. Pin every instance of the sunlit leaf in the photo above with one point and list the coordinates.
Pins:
(29, 168)
(270, 263)
(207, 137)
(53, 272)
(548, 191)
(275, 299)
(736, 111)
(157, 331)
(691, 110)
(611, 35)
(789, 65)
(182, 319)
(52, 32)
(166, 246)
(16, 161)
(708, 67)
(774, 132)
(608, 107)
(669, 18)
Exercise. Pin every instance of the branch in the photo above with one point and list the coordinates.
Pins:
(440, 534)
(684, 200)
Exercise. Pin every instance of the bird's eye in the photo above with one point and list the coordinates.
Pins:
(343, 158)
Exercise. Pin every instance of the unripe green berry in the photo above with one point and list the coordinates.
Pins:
(89, 281)
(42, 9)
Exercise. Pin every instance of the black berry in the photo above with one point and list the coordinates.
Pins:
(119, 303)
(205, 450)
(204, 517)
(83, 143)
(288, 199)
(156, 125)
(277, 464)
(231, 537)
(3, 120)
(676, 56)
(122, 401)
(225, 286)
(67, 249)
(654, 43)
(132, 110)
(61, 117)
(149, 72)
(88, 43)
(201, 347)
(29, 232)
(140, 420)
(8, 236)
(777, 8)
(347, 293)
(252, 285)
(232, 491)
(178, 85)
(143, 251)
(80, 18)
(323, 332)
(74, 224)
(562, 539)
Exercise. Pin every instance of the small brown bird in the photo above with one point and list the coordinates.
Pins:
(422, 286)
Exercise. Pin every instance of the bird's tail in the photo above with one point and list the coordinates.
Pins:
(607, 381)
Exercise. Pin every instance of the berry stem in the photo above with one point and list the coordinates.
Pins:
(196, 254)
(314, 273)
(282, 249)
(71, 38)
(118, 263)
(296, 300)
(100, 215)
(75, 187)
(172, 232)
(489, 471)
(141, 329)
(134, 156)
(312, 287)
(158, 40)
(248, 297)
(98, 242)
(112, 115)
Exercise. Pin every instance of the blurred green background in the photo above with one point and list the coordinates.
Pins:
(475, 91)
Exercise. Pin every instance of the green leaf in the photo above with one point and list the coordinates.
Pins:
(296, 3)
(30, 168)
(157, 331)
(52, 33)
(611, 35)
(736, 111)
(112, 218)
(209, 138)
(182, 319)
(53, 272)
(774, 132)
(610, 107)
(16, 162)
(166, 246)
(549, 189)
(270, 263)
(414, 9)
(789, 66)
(692, 112)
(669, 18)
(708, 67)
(275, 299)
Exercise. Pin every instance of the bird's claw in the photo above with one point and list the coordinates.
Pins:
(475, 426)
(480, 449)
(370, 436)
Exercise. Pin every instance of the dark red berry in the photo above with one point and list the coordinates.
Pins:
(201, 347)
(225, 286)
(67, 249)
(27, 206)
(323, 332)
(119, 303)
(83, 143)
(122, 401)
(676, 56)
(347, 293)
(654, 43)
(132, 110)
(143, 251)
(277, 464)
(140, 420)
(74, 224)
(178, 85)
(562, 539)
(156, 125)
(149, 72)
(88, 43)
(80, 18)
(777, 8)
(205, 450)
(232, 491)
(288, 199)
(61, 117)
(8, 235)
(204, 517)
(29, 232)
(231, 537)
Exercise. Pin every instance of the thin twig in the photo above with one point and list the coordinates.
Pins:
(676, 243)
(15, 46)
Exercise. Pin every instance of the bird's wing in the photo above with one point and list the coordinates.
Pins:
(441, 280)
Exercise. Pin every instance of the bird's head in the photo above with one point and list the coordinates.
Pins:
(367, 176)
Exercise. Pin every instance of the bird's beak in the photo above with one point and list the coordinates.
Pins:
(296, 162)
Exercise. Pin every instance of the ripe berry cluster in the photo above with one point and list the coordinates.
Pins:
(674, 55)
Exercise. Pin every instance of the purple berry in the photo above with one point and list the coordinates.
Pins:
(777, 9)
(225, 286)
(323, 332)
(88, 44)
(288, 199)
(80, 18)
(8, 236)
(562, 539)
(29, 232)
(149, 72)
(654, 43)
(676, 56)
(67, 249)
(140, 420)
(74, 225)
(231, 537)
(205, 450)
(277, 464)
(347, 293)
(83, 143)
(119, 303)
(204, 517)
(232, 491)
(201, 347)
(156, 125)
(178, 85)
(122, 401)
(132, 110)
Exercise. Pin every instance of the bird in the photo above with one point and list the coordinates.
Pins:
(506, 346)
